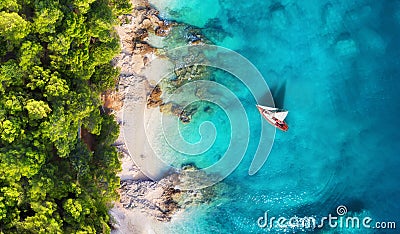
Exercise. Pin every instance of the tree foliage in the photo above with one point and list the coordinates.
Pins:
(12, 26)
(54, 64)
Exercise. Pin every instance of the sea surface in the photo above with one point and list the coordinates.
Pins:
(335, 65)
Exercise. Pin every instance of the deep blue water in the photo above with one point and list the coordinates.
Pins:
(335, 65)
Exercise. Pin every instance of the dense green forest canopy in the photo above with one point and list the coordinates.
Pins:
(54, 64)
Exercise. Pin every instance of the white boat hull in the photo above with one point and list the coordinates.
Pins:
(268, 114)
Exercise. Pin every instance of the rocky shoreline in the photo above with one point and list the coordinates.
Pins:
(153, 201)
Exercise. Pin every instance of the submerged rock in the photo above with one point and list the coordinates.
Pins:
(331, 18)
(372, 41)
(357, 17)
(154, 99)
(172, 108)
(184, 117)
(278, 16)
(345, 46)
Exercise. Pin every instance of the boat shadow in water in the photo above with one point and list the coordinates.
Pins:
(278, 93)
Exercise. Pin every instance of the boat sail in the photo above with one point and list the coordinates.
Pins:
(281, 115)
(274, 116)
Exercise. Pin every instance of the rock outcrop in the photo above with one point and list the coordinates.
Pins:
(161, 199)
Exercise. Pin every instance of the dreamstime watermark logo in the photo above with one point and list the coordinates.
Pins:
(339, 220)
(341, 210)
(185, 57)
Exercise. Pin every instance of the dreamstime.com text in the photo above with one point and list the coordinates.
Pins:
(333, 221)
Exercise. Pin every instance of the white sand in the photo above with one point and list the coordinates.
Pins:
(136, 151)
(138, 161)
(131, 221)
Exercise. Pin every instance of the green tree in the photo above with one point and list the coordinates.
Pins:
(12, 26)
(37, 109)
(54, 65)
(47, 16)
(9, 5)
(105, 77)
(30, 53)
(10, 74)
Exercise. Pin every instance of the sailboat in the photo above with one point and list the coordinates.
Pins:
(274, 116)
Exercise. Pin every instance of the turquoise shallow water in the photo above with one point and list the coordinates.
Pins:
(335, 65)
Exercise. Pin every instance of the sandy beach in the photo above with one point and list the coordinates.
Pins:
(133, 89)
